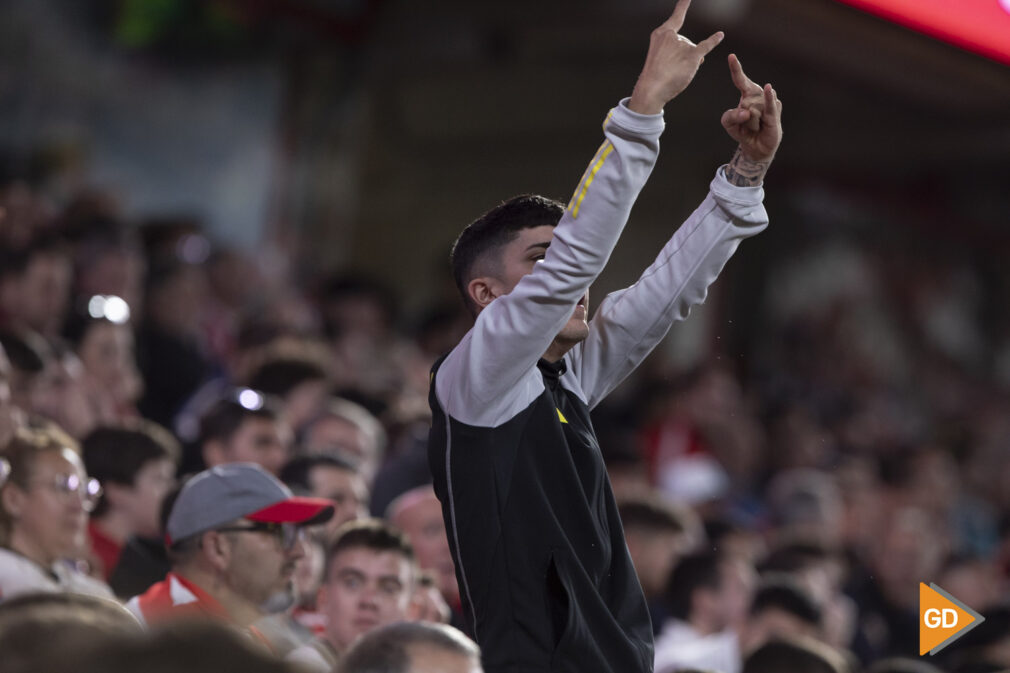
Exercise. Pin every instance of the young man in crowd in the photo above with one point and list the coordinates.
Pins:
(325, 476)
(369, 582)
(234, 536)
(245, 427)
(708, 597)
(136, 466)
(545, 576)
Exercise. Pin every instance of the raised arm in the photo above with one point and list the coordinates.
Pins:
(630, 323)
(490, 374)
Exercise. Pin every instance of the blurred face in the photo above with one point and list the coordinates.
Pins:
(774, 623)
(45, 292)
(365, 589)
(422, 523)
(107, 355)
(337, 434)
(142, 501)
(49, 519)
(345, 488)
(653, 553)
(259, 568)
(427, 605)
(59, 394)
(519, 257)
(257, 440)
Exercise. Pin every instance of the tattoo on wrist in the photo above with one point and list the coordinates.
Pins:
(744, 172)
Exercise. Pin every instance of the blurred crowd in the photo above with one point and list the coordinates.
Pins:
(781, 508)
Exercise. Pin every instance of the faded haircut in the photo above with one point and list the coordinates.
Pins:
(494, 229)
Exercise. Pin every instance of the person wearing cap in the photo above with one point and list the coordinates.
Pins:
(234, 536)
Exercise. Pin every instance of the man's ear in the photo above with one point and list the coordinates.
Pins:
(483, 290)
(216, 549)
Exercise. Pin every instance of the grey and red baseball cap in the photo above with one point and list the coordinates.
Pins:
(222, 494)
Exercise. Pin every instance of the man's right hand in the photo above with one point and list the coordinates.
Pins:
(671, 63)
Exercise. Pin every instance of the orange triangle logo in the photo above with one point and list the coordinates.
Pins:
(942, 619)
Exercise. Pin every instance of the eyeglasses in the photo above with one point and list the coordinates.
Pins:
(287, 534)
(89, 490)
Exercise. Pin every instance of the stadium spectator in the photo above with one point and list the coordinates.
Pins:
(369, 582)
(245, 427)
(234, 537)
(135, 464)
(44, 509)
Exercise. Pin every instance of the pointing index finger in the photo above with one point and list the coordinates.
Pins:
(742, 82)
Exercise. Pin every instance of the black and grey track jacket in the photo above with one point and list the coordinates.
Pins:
(545, 576)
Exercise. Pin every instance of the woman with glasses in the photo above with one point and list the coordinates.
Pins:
(44, 507)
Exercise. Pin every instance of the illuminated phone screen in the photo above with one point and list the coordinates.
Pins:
(981, 26)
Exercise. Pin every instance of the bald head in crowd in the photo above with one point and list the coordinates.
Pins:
(418, 514)
(413, 647)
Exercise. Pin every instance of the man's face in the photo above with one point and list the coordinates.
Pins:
(345, 488)
(365, 589)
(8, 412)
(258, 440)
(431, 659)
(107, 355)
(422, 523)
(259, 567)
(519, 257)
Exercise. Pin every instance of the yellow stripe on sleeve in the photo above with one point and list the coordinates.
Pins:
(561, 416)
(577, 202)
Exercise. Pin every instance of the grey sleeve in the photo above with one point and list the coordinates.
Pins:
(491, 374)
(630, 322)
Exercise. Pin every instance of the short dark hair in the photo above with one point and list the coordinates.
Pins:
(295, 473)
(782, 592)
(495, 228)
(387, 649)
(692, 572)
(114, 455)
(226, 415)
(279, 377)
(796, 656)
(373, 534)
(650, 513)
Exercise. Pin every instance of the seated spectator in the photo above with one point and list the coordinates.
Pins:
(369, 583)
(707, 595)
(347, 429)
(781, 608)
(657, 533)
(418, 513)
(245, 427)
(136, 466)
(795, 656)
(31, 624)
(299, 384)
(234, 537)
(102, 338)
(35, 285)
(413, 647)
(44, 509)
(324, 476)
